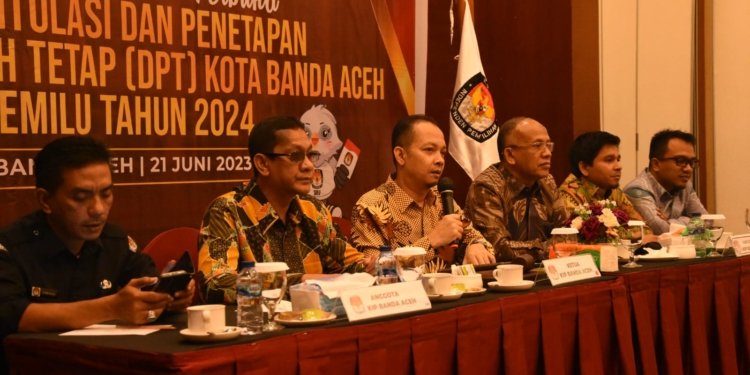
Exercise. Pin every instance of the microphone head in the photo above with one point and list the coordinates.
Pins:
(445, 184)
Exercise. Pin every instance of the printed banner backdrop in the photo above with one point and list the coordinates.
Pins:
(174, 86)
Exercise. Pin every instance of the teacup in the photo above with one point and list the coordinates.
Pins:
(437, 283)
(206, 319)
(508, 274)
(467, 282)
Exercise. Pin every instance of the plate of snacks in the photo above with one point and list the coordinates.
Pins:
(306, 317)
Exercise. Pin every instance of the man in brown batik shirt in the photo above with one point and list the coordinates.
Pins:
(515, 203)
(407, 210)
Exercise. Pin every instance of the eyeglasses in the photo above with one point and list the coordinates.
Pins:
(295, 157)
(537, 146)
(682, 161)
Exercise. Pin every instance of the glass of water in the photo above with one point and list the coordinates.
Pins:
(273, 277)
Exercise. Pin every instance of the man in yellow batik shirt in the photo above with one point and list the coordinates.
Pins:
(271, 218)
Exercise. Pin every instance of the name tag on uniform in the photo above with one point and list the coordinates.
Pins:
(37, 292)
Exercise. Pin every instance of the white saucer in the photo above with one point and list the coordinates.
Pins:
(474, 293)
(229, 332)
(444, 297)
(521, 285)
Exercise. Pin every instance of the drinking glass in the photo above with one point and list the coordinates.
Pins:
(410, 262)
(564, 241)
(631, 236)
(716, 233)
(715, 230)
(273, 277)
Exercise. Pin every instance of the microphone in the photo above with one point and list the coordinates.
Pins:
(445, 187)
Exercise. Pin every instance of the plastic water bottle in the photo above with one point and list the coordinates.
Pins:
(249, 300)
(386, 266)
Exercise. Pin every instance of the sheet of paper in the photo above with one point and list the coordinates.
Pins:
(110, 330)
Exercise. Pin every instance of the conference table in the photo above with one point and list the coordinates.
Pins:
(679, 317)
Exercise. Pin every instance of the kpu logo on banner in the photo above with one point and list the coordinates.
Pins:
(473, 109)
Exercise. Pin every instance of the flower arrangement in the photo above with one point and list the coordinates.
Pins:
(598, 222)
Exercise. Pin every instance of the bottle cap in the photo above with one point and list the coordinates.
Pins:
(385, 248)
(247, 264)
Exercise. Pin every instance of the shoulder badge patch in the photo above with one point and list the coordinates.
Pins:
(132, 245)
(473, 110)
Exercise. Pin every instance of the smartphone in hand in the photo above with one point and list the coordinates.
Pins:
(171, 282)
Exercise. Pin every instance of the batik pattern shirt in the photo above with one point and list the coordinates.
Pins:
(387, 215)
(242, 226)
(516, 219)
(577, 191)
(649, 198)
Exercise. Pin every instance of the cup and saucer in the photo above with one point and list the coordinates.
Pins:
(207, 323)
(439, 287)
(509, 278)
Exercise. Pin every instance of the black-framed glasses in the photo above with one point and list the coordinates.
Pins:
(536, 146)
(682, 161)
(294, 156)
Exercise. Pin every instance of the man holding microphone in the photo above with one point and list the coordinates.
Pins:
(407, 210)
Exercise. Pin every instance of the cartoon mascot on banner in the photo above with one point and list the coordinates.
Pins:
(329, 173)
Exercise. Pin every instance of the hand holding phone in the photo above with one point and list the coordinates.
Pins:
(171, 282)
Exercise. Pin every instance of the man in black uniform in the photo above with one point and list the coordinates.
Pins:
(64, 267)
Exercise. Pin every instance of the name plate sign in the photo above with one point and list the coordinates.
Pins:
(385, 300)
(570, 269)
(741, 244)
